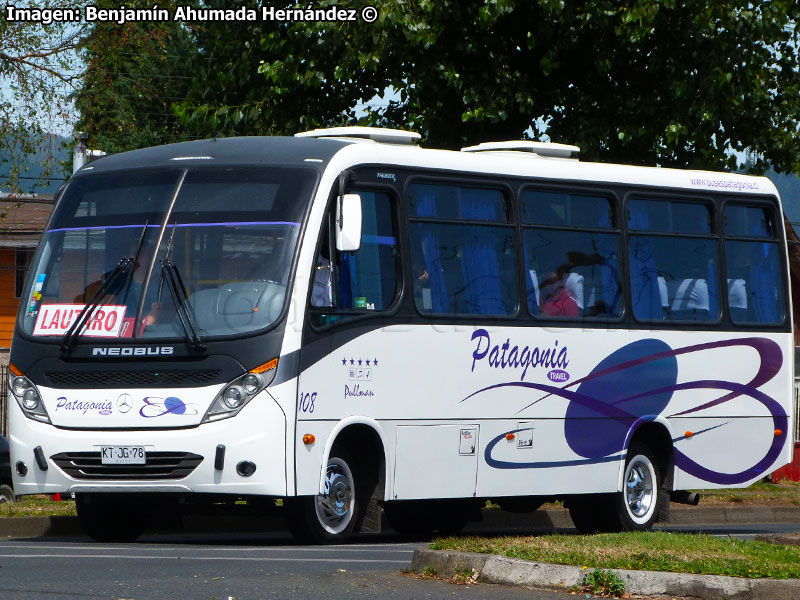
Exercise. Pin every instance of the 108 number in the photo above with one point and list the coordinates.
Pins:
(306, 403)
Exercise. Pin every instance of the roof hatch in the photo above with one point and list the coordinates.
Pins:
(545, 149)
(376, 134)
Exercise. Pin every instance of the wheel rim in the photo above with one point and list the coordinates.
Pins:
(640, 497)
(335, 507)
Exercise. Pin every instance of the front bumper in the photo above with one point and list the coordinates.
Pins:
(257, 434)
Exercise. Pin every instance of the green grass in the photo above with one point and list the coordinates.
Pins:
(37, 506)
(651, 551)
(784, 493)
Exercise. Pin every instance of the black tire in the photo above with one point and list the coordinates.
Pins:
(7, 494)
(330, 518)
(636, 508)
(110, 517)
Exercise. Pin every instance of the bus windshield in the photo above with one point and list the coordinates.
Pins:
(168, 254)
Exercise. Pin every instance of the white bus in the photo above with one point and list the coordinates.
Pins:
(351, 324)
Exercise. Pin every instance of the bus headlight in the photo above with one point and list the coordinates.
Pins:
(19, 385)
(29, 399)
(233, 397)
(251, 383)
(240, 391)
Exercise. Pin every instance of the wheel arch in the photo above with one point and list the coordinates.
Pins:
(656, 433)
(363, 437)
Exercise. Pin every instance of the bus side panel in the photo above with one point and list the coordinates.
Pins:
(572, 398)
(438, 461)
(525, 466)
(706, 453)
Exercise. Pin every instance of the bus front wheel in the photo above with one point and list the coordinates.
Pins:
(329, 517)
(6, 494)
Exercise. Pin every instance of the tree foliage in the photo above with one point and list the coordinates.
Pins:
(134, 73)
(38, 65)
(638, 81)
(274, 78)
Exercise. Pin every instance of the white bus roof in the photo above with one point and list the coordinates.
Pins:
(348, 147)
(519, 164)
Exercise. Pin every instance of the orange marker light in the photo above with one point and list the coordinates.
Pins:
(309, 439)
(13, 368)
(778, 432)
(267, 366)
(689, 434)
(510, 436)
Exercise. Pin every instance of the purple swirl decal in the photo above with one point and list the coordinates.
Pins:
(158, 407)
(598, 423)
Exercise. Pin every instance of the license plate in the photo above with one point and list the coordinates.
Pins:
(123, 455)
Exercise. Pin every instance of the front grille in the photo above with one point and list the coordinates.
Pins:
(131, 379)
(160, 465)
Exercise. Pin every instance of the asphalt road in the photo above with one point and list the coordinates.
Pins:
(222, 567)
(242, 566)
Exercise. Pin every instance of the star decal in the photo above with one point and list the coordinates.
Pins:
(352, 362)
(344, 361)
(375, 361)
(367, 362)
(359, 362)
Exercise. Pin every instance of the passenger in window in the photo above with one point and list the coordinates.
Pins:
(128, 290)
(422, 287)
(322, 293)
(555, 299)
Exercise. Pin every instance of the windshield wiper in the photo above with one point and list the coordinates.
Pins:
(109, 284)
(172, 276)
(115, 275)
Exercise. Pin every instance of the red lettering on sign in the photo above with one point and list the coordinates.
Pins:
(42, 319)
(97, 320)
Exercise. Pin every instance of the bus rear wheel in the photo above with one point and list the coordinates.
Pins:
(633, 509)
(110, 517)
(637, 505)
(329, 517)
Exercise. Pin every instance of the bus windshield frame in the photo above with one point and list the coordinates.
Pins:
(208, 253)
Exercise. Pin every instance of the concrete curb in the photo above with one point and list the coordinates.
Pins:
(31, 527)
(696, 515)
(490, 568)
(721, 515)
(493, 521)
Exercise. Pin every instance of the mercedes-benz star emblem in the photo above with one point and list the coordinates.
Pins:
(124, 403)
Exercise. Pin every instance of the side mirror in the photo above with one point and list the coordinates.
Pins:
(348, 223)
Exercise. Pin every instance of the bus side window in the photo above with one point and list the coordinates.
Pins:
(364, 280)
(753, 261)
(672, 257)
